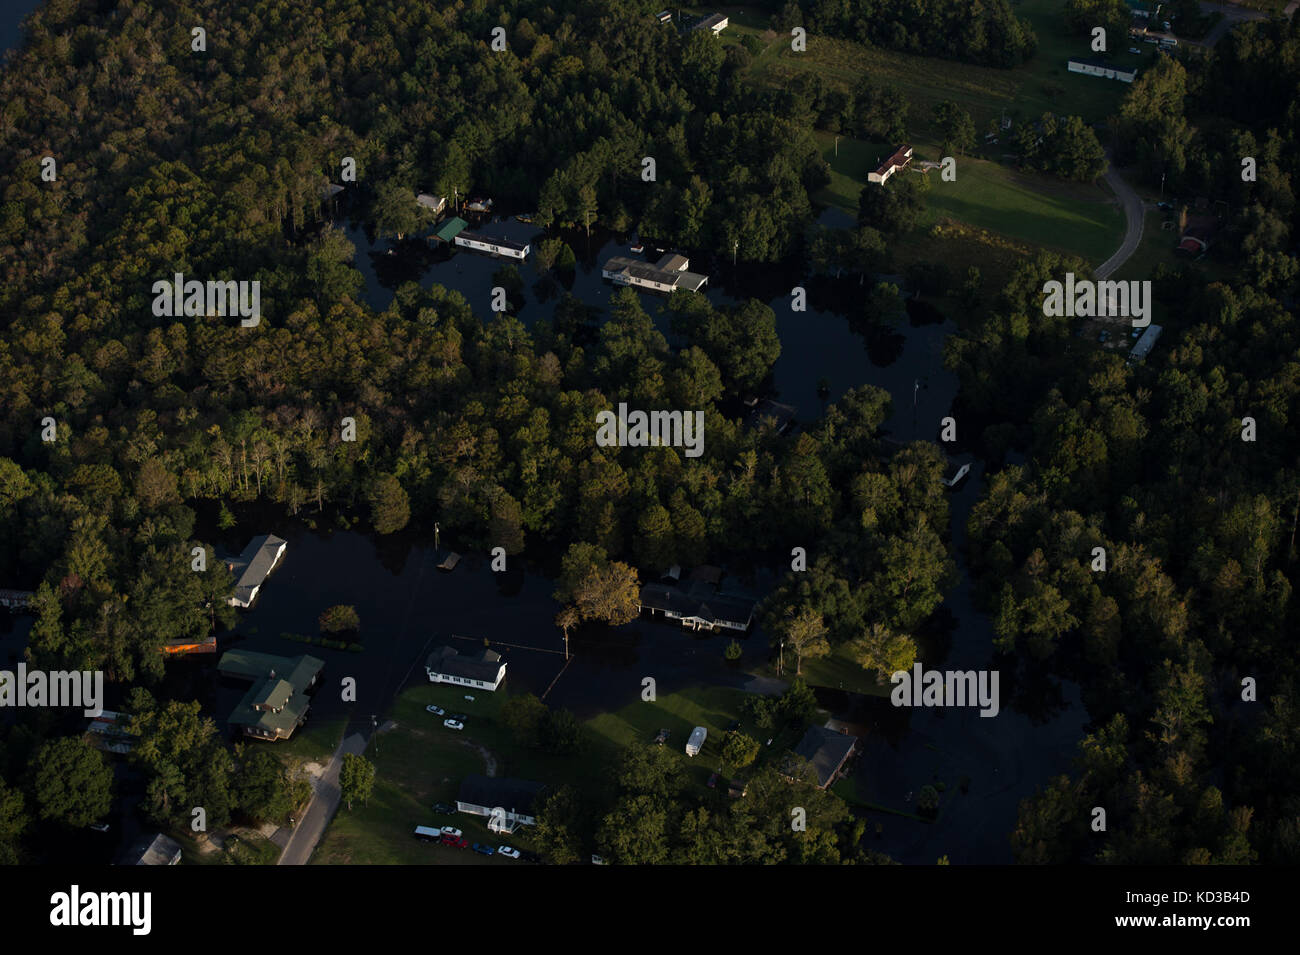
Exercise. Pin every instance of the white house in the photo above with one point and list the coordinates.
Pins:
(484, 670)
(715, 23)
(1103, 69)
(506, 803)
(495, 244)
(666, 275)
(899, 160)
(434, 204)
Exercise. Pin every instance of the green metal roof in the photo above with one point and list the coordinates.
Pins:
(451, 228)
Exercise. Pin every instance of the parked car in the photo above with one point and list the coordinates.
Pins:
(662, 737)
(484, 849)
(469, 697)
(453, 724)
(455, 843)
(458, 717)
(435, 710)
(451, 831)
(597, 860)
(98, 826)
(509, 852)
(443, 808)
(1134, 49)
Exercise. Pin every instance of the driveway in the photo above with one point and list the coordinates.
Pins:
(324, 803)
(1134, 215)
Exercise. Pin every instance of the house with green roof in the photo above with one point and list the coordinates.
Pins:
(276, 703)
(449, 229)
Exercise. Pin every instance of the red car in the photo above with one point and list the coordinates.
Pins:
(455, 842)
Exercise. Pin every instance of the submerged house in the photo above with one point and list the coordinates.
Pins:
(700, 608)
(253, 566)
(276, 704)
(484, 670)
(667, 275)
(495, 244)
(1103, 69)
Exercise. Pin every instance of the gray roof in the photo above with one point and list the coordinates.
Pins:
(479, 666)
(710, 607)
(160, 850)
(827, 750)
(254, 564)
(492, 240)
(521, 796)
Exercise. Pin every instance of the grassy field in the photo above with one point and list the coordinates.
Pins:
(420, 763)
(839, 672)
(1080, 219)
(1043, 84)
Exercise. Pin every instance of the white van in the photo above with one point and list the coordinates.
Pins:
(696, 741)
(428, 834)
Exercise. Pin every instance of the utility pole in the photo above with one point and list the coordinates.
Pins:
(734, 248)
(436, 531)
(837, 147)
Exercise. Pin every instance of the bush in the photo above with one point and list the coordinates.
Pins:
(339, 619)
(733, 650)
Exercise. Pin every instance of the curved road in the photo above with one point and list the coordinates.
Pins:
(1134, 214)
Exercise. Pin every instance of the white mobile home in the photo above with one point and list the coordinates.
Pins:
(696, 741)
(495, 244)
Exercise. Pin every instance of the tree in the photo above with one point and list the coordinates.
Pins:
(803, 633)
(883, 651)
(73, 782)
(733, 650)
(598, 588)
(339, 618)
(13, 823)
(390, 508)
(555, 835)
(958, 129)
(739, 750)
(525, 716)
(263, 788)
(395, 210)
(356, 779)
(561, 733)
(183, 760)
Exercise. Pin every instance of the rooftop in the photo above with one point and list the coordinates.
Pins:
(826, 749)
(483, 666)
(496, 240)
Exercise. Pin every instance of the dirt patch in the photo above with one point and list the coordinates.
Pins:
(489, 761)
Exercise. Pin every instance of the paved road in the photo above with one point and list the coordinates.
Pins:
(324, 803)
(1134, 214)
(1232, 15)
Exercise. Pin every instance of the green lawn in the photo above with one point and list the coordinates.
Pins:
(1082, 220)
(420, 763)
(839, 672)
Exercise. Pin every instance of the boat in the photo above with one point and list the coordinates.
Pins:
(638, 248)
(479, 205)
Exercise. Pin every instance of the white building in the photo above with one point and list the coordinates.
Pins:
(715, 23)
(667, 275)
(899, 160)
(1103, 69)
(506, 803)
(497, 245)
(434, 204)
(483, 671)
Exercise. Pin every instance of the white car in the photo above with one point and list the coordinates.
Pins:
(1134, 49)
(435, 710)
(508, 852)
(451, 831)
(468, 697)
(453, 724)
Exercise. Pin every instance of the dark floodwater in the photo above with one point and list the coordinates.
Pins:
(986, 765)
(11, 15)
(816, 344)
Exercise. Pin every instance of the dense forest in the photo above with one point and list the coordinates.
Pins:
(212, 163)
(1184, 471)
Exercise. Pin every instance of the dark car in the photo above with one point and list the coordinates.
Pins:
(484, 850)
(458, 717)
(443, 807)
